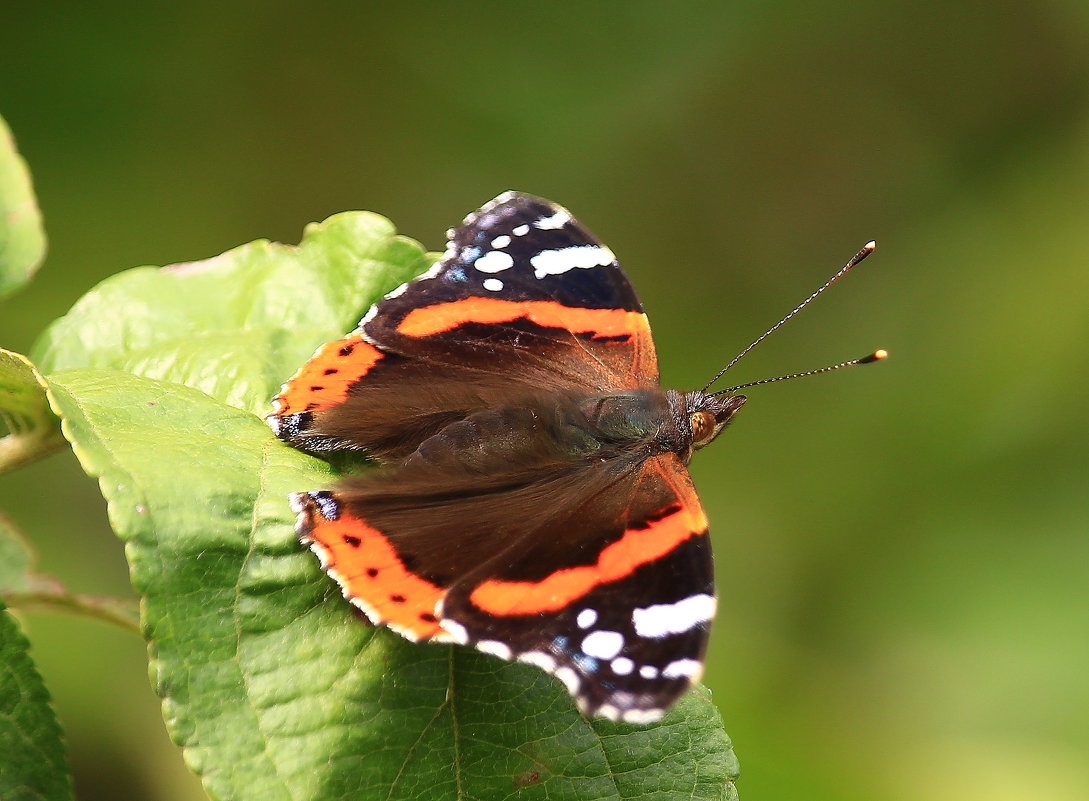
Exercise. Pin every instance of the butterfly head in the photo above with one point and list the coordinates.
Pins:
(707, 415)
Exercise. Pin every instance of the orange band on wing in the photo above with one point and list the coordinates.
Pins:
(324, 380)
(441, 317)
(367, 568)
(616, 561)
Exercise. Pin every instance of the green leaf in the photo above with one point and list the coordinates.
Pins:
(33, 765)
(271, 684)
(22, 239)
(28, 430)
(236, 325)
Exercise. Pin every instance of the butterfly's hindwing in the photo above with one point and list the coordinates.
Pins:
(623, 620)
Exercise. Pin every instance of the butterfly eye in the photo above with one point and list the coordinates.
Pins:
(703, 428)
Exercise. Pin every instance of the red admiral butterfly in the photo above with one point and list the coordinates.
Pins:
(534, 500)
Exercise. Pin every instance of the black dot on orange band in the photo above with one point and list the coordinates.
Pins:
(398, 599)
(330, 371)
(316, 389)
(427, 617)
(347, 350)
(372, 571)
(353, 541)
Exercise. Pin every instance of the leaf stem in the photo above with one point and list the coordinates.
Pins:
(17, 450)
(49, 594)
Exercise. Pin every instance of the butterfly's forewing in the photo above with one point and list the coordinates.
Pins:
(523, 283)
(523, 297)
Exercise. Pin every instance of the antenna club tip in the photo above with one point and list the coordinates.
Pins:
(877, 356)
(871, 245)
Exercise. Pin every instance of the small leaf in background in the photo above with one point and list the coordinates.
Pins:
(275, 689)
(33, 764)
(16, 560)
(22, 239)
(21, 587)
(28, 429)
(238, 324)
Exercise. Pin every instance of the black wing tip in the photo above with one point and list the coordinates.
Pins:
(514, 199)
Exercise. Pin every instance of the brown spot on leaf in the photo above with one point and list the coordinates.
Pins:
(530, 777)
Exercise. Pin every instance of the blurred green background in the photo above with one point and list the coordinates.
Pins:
(902, 550)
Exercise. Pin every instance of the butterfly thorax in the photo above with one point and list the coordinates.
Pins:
(639, 421)
(599, 427)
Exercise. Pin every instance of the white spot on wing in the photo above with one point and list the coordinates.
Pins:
(502, 197)
(456, 630)
(602, 644)
(622, 666)
(586, 618)
(396, 293)
(545, 662)
(493, 284)
(557, 220)
(434, 269)
(495, 648)
(682, 668)
(581, 257)
(661, 620)
(501, 241)
(608, 711)
(494, 261)
(570, 679)
(642, 716)
(520, 230)
(648, 672)
(371, 312)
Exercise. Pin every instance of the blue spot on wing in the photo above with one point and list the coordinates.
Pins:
(456, 274)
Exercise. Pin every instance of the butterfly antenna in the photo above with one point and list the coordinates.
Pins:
(876, 356)
(867, 249)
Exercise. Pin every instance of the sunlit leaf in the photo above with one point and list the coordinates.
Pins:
(16, 559)
(236, 325)
(22, 239)
(28, 430)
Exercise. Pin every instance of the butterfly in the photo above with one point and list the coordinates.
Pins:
(532, 498)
